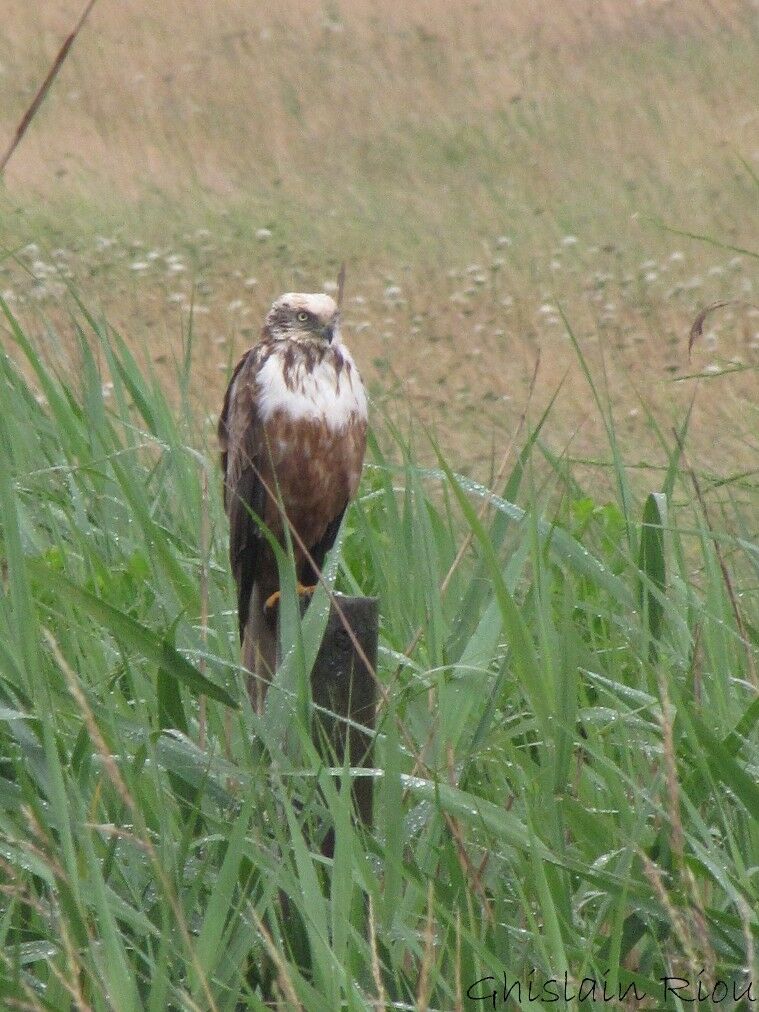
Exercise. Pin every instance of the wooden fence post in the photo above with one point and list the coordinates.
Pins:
(341, 683)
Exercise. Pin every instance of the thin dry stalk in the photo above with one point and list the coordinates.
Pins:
(204, 539)
(228, 735)
(21, 895)
(34, 1003)
(111, 767)
(43, 89)
(677, 841)
(423, 992)
(700, 924)
(654, 875)
(46, 851)
(275, 955)
(472, 874)
(341, 285)
(457, 967)
(381, 1001)
(697, 665)
(109, 829)
(75, 969)
(697, 327)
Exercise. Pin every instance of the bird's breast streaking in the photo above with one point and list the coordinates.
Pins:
(313, 384)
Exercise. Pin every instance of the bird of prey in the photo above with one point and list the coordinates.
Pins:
(292, 434)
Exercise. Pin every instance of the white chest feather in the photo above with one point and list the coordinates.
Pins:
(323, 392)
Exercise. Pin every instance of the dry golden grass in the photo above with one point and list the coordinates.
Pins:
(477, 164)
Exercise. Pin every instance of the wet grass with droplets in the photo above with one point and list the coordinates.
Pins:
(566, 748)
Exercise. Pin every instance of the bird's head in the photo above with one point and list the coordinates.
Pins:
(305, 317)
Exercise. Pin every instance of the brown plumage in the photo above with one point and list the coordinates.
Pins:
(292, 433)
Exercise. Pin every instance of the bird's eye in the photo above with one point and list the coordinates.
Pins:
(302, 317)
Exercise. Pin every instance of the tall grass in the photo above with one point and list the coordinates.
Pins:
(566, 751)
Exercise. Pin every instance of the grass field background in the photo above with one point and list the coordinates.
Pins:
(477, 166)
(566, 758)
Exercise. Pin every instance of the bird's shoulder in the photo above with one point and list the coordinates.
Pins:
(239, 409)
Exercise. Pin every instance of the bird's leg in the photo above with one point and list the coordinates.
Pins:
(272, 601)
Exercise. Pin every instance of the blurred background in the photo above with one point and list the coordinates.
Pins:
(481, 167)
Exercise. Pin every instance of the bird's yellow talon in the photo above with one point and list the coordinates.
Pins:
(272, 600)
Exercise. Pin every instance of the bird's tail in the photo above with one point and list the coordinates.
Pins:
(259, 650)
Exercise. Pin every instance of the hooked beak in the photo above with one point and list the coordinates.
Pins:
(329, 329)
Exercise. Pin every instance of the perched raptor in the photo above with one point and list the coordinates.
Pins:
(292, 434)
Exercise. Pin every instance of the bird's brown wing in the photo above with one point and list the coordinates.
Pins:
(313, 566)
(240, 439)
